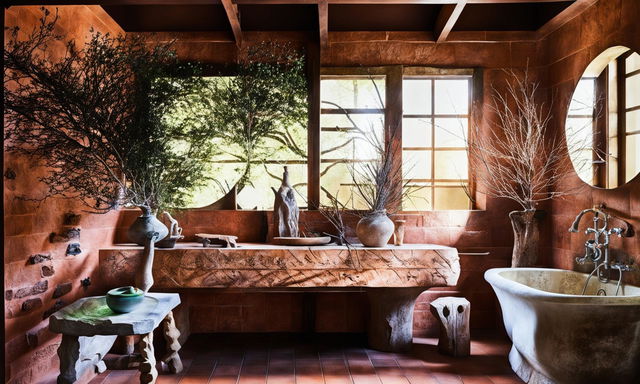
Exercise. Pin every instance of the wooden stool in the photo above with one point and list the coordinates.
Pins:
(453, 314)
(90, 317)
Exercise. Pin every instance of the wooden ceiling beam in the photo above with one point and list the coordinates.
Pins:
(323, 21)
(234, 19)
(8, 3)
(563, 17)
(447, 19)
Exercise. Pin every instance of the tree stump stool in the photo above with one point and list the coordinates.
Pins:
(453, 314)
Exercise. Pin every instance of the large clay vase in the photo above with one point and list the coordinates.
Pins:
(526, 237)
(375, 229)
(144, 225)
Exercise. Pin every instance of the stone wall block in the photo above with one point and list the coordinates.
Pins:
(62, 289)
(31, 304)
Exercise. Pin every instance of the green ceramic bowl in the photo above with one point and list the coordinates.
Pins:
(124, 299)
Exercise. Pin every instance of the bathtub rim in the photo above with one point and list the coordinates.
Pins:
(493, 277)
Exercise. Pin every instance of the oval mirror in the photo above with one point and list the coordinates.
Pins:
(603, 122)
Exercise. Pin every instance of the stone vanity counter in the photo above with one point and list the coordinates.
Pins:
(190, 265)
(392, 276)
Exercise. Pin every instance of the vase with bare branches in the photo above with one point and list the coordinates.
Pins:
(520, 160)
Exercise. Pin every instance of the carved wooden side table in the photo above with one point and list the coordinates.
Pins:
(90, 316)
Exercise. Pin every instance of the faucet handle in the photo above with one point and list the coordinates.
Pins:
(617, 231)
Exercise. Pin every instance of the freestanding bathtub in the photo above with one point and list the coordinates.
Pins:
(560, 336)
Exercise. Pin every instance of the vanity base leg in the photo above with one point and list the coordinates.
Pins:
(391, 322)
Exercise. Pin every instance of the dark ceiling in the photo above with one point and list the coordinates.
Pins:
(342, 17)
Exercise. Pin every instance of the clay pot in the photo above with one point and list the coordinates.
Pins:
(375, 229)
(146, 225)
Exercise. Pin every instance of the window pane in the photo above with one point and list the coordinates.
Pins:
(583, 98)
(353, 92)
(416, 164)
(417, 197)
(416, 97)
(451, 198)
(349, 142)
(345, 143)
(451, 165)
(632, 165)
(633, 62)
(416, 132)
(452, 97)
(632, 94)
(451, 132)
(633, 121)
(579, 132)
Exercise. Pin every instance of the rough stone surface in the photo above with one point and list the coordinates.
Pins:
(73, 249)
(8, 294)
(35, 289)
(262, 265)
(31, 304)
(47, 271)
(62, 289)
(39, 258)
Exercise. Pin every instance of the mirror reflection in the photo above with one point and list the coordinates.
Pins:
(603, 122)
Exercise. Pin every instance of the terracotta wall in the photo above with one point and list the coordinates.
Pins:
(39, 275)
(569, 50)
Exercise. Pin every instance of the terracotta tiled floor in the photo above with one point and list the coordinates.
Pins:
(328, 359)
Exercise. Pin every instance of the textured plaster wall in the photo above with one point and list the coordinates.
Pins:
(33, 290)
(569, 50)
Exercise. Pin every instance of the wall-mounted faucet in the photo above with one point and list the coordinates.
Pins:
(597, 249)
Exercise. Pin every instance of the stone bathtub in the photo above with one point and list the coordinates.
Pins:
(562, 337)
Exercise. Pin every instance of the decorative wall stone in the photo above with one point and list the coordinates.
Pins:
(10, 174)
(73, 249)
(39, 258)
(86, 282)
(68, 234)
(56, 307)
(62, 289)
(47, 270)
(35, 289)
(31, 304)
(71, 218)
(8, 294)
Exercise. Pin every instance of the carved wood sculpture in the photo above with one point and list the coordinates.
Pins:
(453, 314)
(171, 335)
(144, 277)
(148, 371)
(285, 209)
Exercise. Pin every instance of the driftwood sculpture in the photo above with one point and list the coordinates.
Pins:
(285, 209)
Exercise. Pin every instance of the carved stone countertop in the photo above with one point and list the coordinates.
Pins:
(190, 265)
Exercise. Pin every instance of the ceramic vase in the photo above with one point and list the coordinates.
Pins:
(526, 237)
(144, 225)
(398, 234)
(375, 229)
